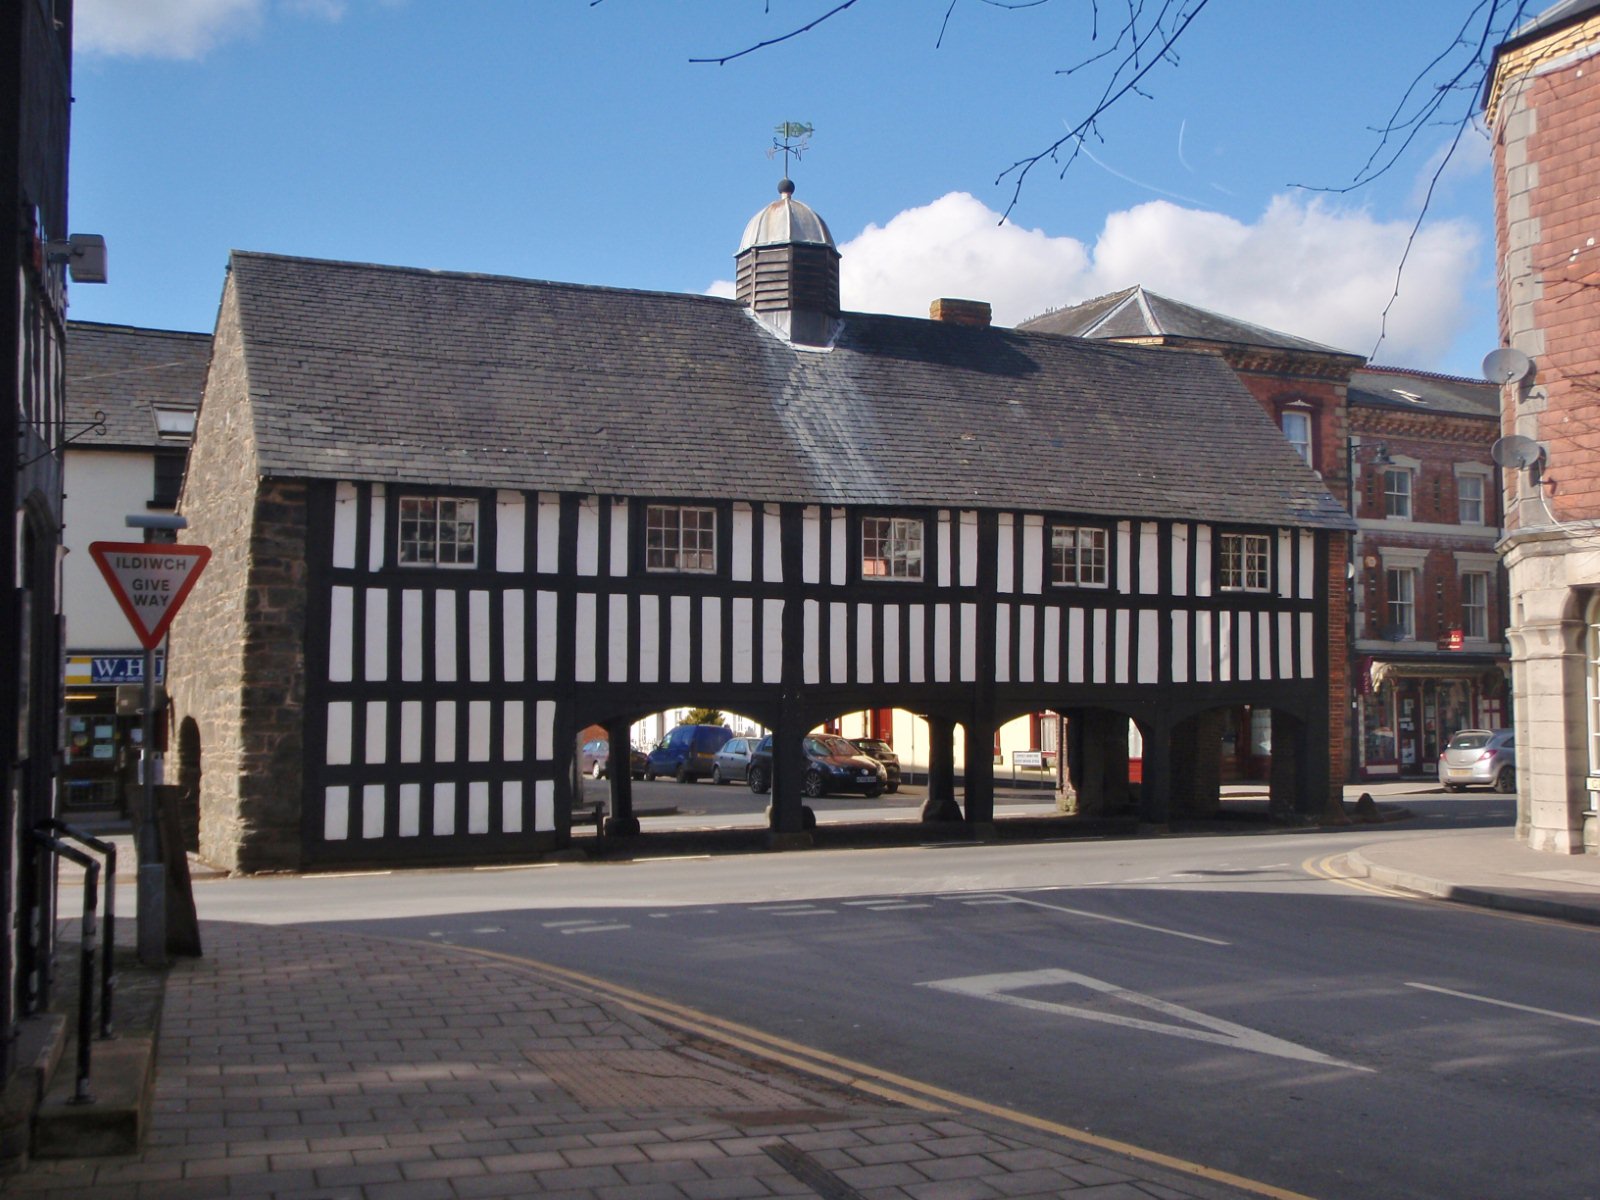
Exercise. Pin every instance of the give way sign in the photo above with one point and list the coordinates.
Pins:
(150, 581)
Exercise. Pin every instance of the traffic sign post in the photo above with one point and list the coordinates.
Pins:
(150, 581)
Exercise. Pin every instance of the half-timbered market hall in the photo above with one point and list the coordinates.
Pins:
(457, 519)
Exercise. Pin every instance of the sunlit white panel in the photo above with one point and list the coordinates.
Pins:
(510, 531)
(511, 731)
(478, 806)
(1077, 647)
(444, 731)
(1180, 647)
(1205, 651)
(619, 538)
(1033, 554)
(376, 540)
(772, 545)
(649, 639)
(864, 644)
(589, 536)
(479, 714)
(969, 549)
(1124, 646)
(545, 632)
(478, 637)
(711, 639)
(1308, 661)
(346, 505)
(376, 665)
(341, 625)
(1005, 553)
(409, 818)
(811, 545)
(411, 655)
(336, 813)
(838, 647)
(1225, 647)
(444, 809)
(742, 541)
(891, 643)
(772, 641)
(1244, 640)
(1052, 645)
(1025, 643)
(1180, 560)
(544, 805)
(410, 731)
(511, 806)
(1149, 647)
(812, 622)
(1124, 557)
(1308, 565)
(1202, 560)
(743, 666)
(372, 810)
(838, 553)
(1263, 646)
(679, 613)
(377, 731)
(1286, 563)
(969, 643)
(617, 640)
(514, 649)
(444, 636)
(1149, 558)
(583, 637)
(1002, 643)
(1098, 648)
(941, 643)
(544, 729)
(942, 542)
(339, 732)
(549, 534)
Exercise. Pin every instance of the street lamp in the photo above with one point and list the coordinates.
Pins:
(152, 872)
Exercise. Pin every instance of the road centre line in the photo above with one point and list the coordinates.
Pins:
(871, 1080)
(597, 929)
(1527, 1008)
(1094, 916)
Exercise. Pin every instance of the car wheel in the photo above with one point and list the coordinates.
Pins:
(639, 775)
(874, 793)
(716, 776)
(594, 770)
(648, 776)
(813, 785)
(757, 781)
(1506, 780)
(683, 774)
(892, 788)
(1452, 787)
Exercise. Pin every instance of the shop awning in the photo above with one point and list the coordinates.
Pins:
(1380, 670)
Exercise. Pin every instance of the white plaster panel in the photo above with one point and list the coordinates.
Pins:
(679, 612)
(969, 643)
(811, 545)
(1308, 564)
(1263, 646)
(1149, 558)
(444, 809)
(1204, 648)
(811, 620)
(1180, 647)
(513, 646)
(711, 639)
(617, 636)
(340, 725)
(544, 729)
(1124, 556)
(583, 637)
(479, 717)
(969, 549)
(1005, 553)
(942, 541)
(1026, 620)
(409, 818)
(1242, 636)
(1002, 643)
(941, 643)
(1225, 647)
(478, 637)
(345, 507)
(1124, 646)
(1076, 656)
(742, 616)
(411, 635)
(917, 640)
(772, 545)
(444, 636)
(1149, 647)
(589, 536)
(478, 806)
(511, 731)
(1202, 560)
(1180, 560)
(743, 543)
(649, 639)
(864, 644)
(544, 805)
(838, 550)
(411, 731)
(511, 806)
(372, 810)
(1307, 643)
(1052, 645)
(838, 647)
(1285, 645)
(376, 540)
(548, 540)
(772, 641)
(336, 814)
(444, 731)
(545, 633)
(376, 666)
(510, 531)
(377, 731)
(341, 623)
(1033, 554)
(1099, 647)
(619, 539)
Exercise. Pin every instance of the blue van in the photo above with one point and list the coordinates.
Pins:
(688, 752)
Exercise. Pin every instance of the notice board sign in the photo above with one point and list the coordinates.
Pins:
(150, 581)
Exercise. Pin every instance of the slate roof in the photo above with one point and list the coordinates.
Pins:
(123, 372)
(393, 374)
(1419, 391)
(1137, 312)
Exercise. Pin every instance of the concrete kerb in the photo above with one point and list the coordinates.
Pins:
(1481, 897)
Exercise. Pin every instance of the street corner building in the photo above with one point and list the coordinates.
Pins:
(1542, 107)
(457, 519)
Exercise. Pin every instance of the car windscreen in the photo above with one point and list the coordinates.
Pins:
(1475, 740)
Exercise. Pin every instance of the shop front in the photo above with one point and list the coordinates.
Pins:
(1408, 709)
(102, 716)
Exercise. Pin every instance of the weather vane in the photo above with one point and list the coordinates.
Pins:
(792, 138)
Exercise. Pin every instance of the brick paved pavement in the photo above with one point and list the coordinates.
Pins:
(320, 1066)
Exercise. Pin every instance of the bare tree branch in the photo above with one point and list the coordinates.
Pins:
(793, 33)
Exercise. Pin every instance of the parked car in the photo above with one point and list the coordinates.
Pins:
(732, 762)
(687, 752)
(1479, 757)
(881, 750)
(594, 759)
(832, 765)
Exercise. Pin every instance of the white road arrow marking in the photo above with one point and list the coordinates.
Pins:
(1002, 989)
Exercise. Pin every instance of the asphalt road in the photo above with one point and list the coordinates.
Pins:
(1210, 998)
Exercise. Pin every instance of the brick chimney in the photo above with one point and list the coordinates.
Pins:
(961, 312)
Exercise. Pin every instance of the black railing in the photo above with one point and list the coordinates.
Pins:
(91, 880)
(108, 915)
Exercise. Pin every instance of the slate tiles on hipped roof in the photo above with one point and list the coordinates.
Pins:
(394, 374)
(1420, 391)
(124, 372)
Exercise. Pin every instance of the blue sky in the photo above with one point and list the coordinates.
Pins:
(559, 139)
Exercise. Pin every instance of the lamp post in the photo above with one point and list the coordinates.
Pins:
(152, 890)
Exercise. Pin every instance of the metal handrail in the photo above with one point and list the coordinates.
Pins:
(108, 915)
(91, 879)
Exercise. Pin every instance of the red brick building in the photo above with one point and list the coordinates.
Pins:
(1542, 105)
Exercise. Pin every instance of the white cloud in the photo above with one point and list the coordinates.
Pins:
(1304, 267)
(177, 28)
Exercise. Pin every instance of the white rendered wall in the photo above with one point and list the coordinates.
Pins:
(103, 487)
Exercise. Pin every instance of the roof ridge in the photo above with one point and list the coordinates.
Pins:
(1372, 368)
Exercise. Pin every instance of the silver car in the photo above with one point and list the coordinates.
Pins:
(1479, 758)
(733, 760)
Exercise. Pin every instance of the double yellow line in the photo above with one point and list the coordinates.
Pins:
(872, 1081)
(1335, 868)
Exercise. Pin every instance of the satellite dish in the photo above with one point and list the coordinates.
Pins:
(1506, 365)
(1516, 452)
